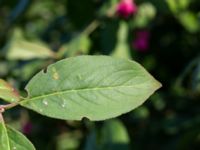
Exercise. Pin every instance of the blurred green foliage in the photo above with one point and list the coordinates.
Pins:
(169, 120)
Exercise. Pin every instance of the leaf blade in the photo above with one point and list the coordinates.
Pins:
(10, 139)
(3, 137)
(24, 50)
(89, 86)
(7, 92)
(18, 141)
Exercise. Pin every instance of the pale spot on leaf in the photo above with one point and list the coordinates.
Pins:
(63, 104)
(55, 74)
(45, 102)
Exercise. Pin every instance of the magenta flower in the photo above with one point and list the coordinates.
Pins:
(126, 8)
(141, 42)
(27, 128)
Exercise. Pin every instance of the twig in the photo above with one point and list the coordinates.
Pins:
(91, 27)
(7, 106)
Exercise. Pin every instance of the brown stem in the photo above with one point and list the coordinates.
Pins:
(3, 108)
(7, 106)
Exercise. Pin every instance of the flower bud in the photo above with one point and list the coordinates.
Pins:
(126, 8)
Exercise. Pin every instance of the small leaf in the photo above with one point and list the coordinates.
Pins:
(118, 132)
(178, 5)
(145, 14)
(11, 139)
(18, 48)
(68, 140)
(190, 21)
(7, 92)
(112, 136)
(95, 87)
(24, 50)
(115, 136)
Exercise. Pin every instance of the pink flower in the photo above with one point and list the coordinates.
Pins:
(27, 128)
(141, 42)
(126, 8)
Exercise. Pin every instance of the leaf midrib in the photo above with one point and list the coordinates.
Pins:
(78, 90)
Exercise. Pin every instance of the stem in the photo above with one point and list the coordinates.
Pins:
(3, 108)
(92, 26)
(7, 106)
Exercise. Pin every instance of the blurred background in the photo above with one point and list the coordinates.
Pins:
(162, 35)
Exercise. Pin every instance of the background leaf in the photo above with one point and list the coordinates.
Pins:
(190, 21)
(18, 48)
(3, 137)
(7, 92)
(24, 50)
(18, 141)
(95, 87)
(10, 139)
(112, 135)
(115, 136)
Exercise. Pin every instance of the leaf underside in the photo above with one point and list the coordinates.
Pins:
(94, 87)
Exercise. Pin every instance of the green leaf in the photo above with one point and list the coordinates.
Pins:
(115, 136)
(68, 140)
(4, 142)
(145, 14)
(190, 21)
(7, 92)
(95, 87)
(18, 141)
(11, 139)
(178, 5)
(112, 136)
(4, 65)
(18, 48)
(24, 50)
